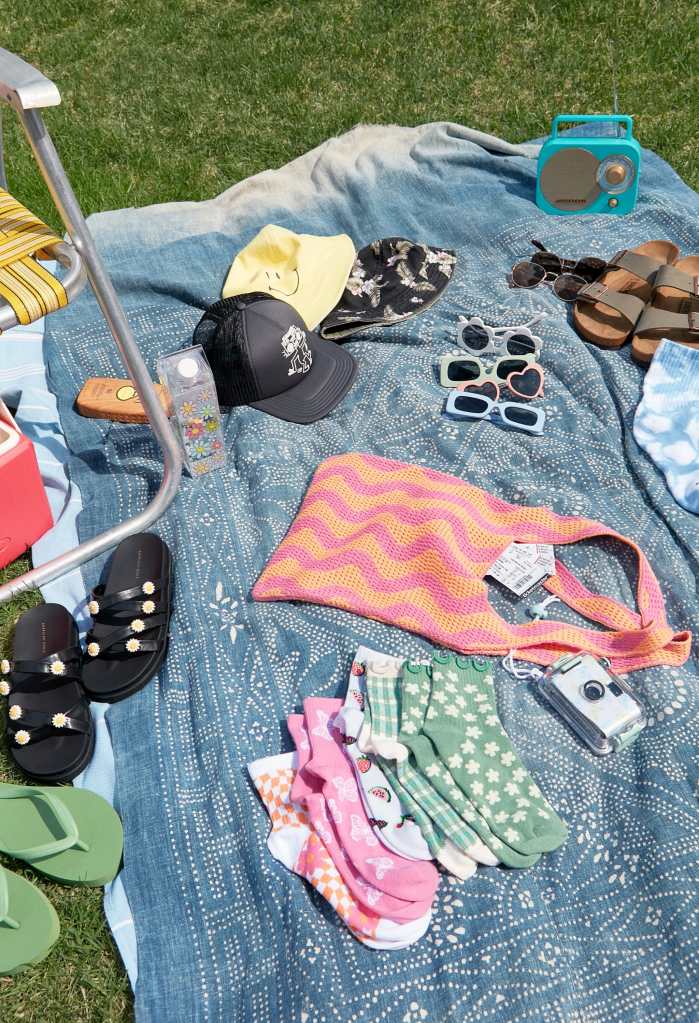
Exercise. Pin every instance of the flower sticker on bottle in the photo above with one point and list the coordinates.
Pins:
(197, 418)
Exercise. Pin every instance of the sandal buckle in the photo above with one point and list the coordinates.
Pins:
(593, 292)
(693, 321)
(695, 285)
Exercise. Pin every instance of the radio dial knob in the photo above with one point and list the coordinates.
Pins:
(615, 173)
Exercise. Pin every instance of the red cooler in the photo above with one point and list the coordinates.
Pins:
(24, 509)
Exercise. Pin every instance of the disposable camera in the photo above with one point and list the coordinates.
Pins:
(599, 706)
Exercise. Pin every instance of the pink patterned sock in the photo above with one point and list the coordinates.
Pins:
(307, 791)
(393, 874)
(294, 843)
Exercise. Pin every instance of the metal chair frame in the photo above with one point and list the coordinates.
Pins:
(27, 91)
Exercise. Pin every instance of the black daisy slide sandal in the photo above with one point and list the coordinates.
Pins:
(131, 616)
(49, 727)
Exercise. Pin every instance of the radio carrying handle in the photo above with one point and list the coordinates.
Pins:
(580, 119)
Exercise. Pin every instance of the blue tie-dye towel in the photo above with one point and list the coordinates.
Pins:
(605, 929)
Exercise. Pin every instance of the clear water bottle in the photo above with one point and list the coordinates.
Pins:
(196, 416)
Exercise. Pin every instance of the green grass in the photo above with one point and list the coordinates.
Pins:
(178, 99)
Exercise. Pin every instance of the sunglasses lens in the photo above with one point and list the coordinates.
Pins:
(519, 416)
(527, 383)
(590, 268)
(549, 262)
(507, 366)
(472, 404)
(488, 389)
(463, 370)
(567, 287)
(520, 344)
(527, 274)
(474, 338)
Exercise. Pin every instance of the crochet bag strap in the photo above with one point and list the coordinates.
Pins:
(636, 640)
(606, 610)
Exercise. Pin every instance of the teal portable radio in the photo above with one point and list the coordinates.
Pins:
(583, 173)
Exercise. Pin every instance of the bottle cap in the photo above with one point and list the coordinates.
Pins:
(187, 368)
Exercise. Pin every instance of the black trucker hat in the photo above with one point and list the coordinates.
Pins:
(262, 354)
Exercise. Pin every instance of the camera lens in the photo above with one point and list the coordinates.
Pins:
(593, 691)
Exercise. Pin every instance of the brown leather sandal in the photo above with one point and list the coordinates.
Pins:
(674, 313)
(607, 311)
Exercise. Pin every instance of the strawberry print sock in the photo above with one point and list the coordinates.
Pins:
(294, 844)
(463, 724)
(395, 827)
(324, 818)
(393, 874)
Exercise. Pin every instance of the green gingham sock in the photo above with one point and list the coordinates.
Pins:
(384, 710)
(383, 665)
(415, 699)
(463, 724)
(382, 692)
(442, 848)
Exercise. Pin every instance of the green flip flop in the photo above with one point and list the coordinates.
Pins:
(71, 835)
(29, 926)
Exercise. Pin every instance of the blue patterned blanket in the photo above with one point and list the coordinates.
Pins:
(605, 929)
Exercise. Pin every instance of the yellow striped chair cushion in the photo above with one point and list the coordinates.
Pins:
(30, 289)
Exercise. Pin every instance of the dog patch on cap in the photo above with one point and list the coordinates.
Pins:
(295, 347)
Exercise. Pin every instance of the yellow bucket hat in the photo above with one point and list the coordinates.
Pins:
(308, 271)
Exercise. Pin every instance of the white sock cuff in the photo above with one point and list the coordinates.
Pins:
(275, 763)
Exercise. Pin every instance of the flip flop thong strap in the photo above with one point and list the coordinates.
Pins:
(661, 322)
(64, 818)
(630, 307)
(644, 267)
(5, 917)
(671, 277)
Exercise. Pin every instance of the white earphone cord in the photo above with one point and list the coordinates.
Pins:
(536, 613)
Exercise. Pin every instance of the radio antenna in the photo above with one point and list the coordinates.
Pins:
(615, 94)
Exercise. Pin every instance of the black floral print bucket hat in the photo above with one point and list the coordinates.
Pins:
(391, 279)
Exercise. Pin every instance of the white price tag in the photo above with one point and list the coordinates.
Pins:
(523, 565)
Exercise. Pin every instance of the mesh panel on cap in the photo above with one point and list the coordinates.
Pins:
(220, 333)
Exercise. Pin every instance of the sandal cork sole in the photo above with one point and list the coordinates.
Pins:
(674, 300)
(606, 327)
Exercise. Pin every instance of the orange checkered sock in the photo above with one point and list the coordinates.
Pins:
(300, 849)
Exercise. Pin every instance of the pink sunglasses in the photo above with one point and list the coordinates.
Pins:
(527, 384)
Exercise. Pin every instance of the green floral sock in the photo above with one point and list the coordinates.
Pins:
(415, 699)
(463, 724)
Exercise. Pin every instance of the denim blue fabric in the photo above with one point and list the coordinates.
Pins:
(601, 929)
